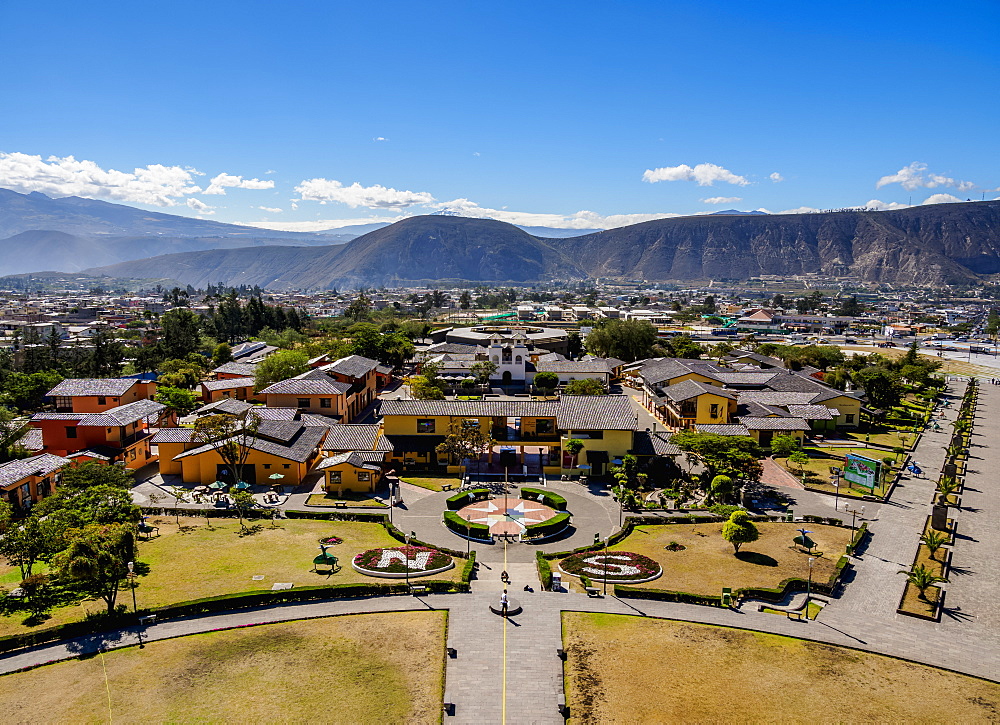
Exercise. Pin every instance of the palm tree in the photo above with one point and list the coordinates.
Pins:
(922, 578)
(947, 486)
(933, 540)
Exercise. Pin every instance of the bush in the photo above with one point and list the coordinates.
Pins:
(464, 498)
(546, 528)
(466, 528)
(552, 500)
(544, 571)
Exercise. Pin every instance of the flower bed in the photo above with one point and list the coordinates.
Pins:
(622, 567)
(393, 563)
(331, 540)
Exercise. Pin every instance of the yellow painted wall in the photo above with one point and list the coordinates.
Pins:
(203, 467)
(350, 481)
(407, 424)
(337, 403)
(705, 403)
(847, 406)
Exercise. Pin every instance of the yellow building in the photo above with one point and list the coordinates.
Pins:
(533, 431)
(689, 404)
(356, 472)
(170, 443)
(288, 448)
(235, 388)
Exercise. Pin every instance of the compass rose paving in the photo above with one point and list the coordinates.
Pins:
(510, 516)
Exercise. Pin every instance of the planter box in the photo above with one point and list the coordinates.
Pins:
(921, 610)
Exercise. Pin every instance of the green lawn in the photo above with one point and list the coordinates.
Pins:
(434, 483)
(191, 561)
(885, 436)
(368, 668)
(353, 499)
(820, 461)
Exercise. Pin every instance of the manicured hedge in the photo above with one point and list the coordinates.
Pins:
(466, 528)
(663, 595)
(544, 571)
(552, 500)
(464, 498)
(470, 566)
(546, 528)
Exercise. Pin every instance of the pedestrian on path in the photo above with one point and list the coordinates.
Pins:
(505, 577)
(503, 604)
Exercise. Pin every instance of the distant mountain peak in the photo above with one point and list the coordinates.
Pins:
(737, 212)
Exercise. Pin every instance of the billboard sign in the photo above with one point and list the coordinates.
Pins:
(861, 471)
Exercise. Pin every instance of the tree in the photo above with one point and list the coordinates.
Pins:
(223, 354)
(850, 307)
(244, 503)
(627, 340)
(179, 401)
(546, 381)
(281, 365)
(90, 475)
(231, 438)
(739, 530)
(722, 488)
(24, 542)
(783, 446)
(465, 301)
(25, 391)
(574, 345)
(181, 333)
(586, 386)
(12, 429)
(423, 389)
(800, 459)
(881, 387)
(734, 456)
(96, 559)
(359, 308)
(933, 540)
(465, 441)
(682, 346)
(484, 370)
(922, 578)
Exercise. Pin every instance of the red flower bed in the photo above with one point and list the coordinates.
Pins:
(332, 540)
(620, 566)
(394, 561)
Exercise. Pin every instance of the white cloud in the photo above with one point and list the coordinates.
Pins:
(797, 210)
(200, 206)
(319, 225)
(377, 139)
(220, 183)
(579, 220)
(942, 199)
(355, 195)
(722, 199)
(272, 209)
(884, 205)
(914, 177)
(704, 174)
(155, 184)
(776, 177)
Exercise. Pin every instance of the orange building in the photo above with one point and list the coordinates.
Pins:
(96, 395)
(26, 481)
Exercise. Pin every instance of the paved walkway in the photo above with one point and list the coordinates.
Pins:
(510, 669)
(775, 474)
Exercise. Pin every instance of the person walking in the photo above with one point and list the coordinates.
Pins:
(505, 577)
(503, 604)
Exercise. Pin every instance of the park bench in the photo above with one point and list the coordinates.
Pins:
(445, 486)
(556, 581)
(795, 615)
(417, 589)
(561, 704)
(147, 620)
(340, 504)
(593, 591)
(449, 703)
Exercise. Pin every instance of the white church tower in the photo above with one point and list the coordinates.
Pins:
(511, 358)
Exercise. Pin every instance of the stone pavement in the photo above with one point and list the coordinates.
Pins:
(775, 475)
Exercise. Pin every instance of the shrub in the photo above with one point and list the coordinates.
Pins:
(739, 530)
(466, 528)
(552, 500)
(546, 528)
(464, 498)
(544, 570)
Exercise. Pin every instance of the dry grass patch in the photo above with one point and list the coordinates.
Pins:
(927, 607)
(192, 560)
(623, 669)
(368, 668)
(707, 562)
(433, 483)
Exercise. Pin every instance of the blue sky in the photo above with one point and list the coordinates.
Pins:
(529, 112)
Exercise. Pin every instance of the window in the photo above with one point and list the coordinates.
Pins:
(101, 400)
(591, 434)
(64, 403)
(364, 476)
(849, 418)
(286, 465)
(714, 411)
(334, 476)
(267, 466)
(544, 426)
(470, 423)
(518, 359)
(302, 402)
(325, 402)
(71, 431)
(425, 425)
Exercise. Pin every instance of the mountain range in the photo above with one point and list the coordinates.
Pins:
(927, 245)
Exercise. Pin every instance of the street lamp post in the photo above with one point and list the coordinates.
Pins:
(131, 577)
(809, 586)
(606, 566)
(854, 514)
(406, 553)
(836, 492)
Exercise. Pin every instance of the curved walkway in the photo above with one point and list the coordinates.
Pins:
(522, 659)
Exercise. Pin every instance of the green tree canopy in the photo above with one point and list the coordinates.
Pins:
(96, 559)
(280, 365)
(586, 386)
(739, 530)
(627, 340)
